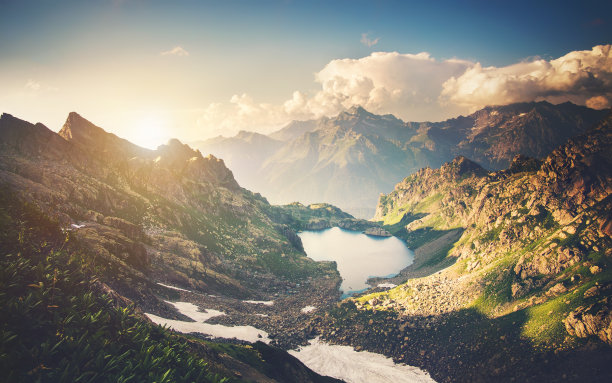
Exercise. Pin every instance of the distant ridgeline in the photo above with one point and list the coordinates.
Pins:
(512, 279)
(348, 160)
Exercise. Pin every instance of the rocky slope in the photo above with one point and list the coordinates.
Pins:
(172, 216)
(513, 269)
(61, 322)
(348, 160)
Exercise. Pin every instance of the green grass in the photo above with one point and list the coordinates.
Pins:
(498, 286)
(54, 328)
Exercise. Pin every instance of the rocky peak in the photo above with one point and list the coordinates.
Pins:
(84, 133)
(521, 163)
(182, 158)
(77, 128)
(462, 165)
(34, 139)
(356, 111)
(174, 150)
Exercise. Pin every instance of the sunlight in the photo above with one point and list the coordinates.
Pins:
(150, 128)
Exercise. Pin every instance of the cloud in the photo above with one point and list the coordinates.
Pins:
(176, 51)
(32, 85)
(578, 76)
(365, 40)
(242, 113)
(417, 87)
(598, 102)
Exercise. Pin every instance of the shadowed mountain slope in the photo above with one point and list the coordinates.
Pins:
(348, 160)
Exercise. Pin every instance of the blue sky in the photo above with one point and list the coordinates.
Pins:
(105, 58)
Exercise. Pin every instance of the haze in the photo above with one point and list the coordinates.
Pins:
(151, 70)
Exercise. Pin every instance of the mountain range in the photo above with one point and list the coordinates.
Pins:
(348, 160)
(139, 227)
(512, 276)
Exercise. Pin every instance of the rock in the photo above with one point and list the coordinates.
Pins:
(557, 289)
(595, 269)
(591, 292)
(377, 232)
(595, 320)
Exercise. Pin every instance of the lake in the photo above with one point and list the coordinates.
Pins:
(358, 256)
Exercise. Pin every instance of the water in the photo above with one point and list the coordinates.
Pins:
(358, 256)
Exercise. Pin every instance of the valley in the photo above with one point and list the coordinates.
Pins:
(509, 281)
(305, 191)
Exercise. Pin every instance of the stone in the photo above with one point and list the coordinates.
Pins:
(591, 292)
(595, 269)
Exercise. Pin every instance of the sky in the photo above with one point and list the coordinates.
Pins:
(151, 70)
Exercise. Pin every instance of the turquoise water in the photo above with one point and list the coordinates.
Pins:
(358, 256)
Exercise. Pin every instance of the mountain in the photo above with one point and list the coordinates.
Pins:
(98, 225)
(245, 151)
(296, 129)
(511, 279)
(348, 160)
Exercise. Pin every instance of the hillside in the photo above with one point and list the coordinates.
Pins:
(144, 227)
(511, 280)
(348, 160)
(60, 322)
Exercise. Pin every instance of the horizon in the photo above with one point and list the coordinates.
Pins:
(234, 134)
(151, 71)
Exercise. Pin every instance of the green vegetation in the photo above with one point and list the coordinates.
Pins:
(54, 327)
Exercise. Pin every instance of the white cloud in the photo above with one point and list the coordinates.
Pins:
(32, 85)
(365, 40)
(242, 113)
(578, 76)
(176, 51)
(417, 87)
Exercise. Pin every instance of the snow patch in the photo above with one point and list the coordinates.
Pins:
(343, 362)
(246, 333)
(173, 287)
(193, 312)
(308, 309)
(267, 303)
(387, 285)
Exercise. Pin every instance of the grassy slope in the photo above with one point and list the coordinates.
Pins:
(60, 324)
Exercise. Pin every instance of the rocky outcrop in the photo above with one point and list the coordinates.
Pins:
(377, 232)
(594, 320)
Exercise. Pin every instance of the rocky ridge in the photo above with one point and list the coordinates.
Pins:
(169, 215)
(347, 160)
(530, 259)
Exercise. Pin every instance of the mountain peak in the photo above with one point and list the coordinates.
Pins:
(357, 110)
(81, 131)
(77, 128)
(175, 149)
(461, 165)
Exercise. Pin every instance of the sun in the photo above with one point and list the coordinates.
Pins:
(150, 129)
